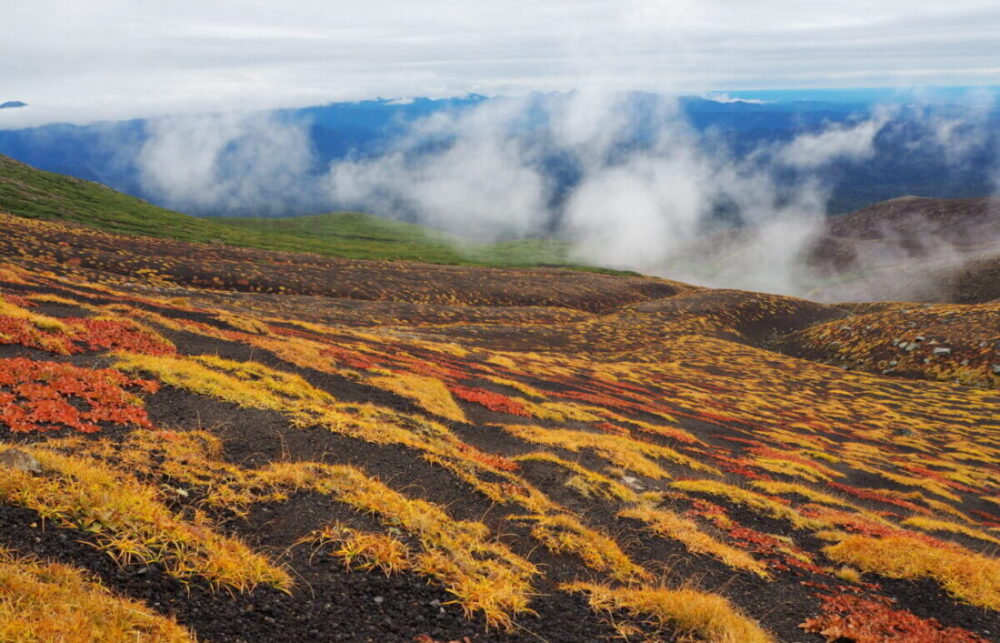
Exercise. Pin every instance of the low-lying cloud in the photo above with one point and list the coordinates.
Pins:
(648, 192)
(623, 177)
(228, 164)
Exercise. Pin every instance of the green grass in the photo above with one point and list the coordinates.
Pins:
(34, 193)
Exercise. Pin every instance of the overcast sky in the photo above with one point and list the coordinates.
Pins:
(108, 59)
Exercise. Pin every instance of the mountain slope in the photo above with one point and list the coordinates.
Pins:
(398, 451)
(911, 248)
(28, 192)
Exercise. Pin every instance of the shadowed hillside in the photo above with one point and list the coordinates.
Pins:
(912, 248)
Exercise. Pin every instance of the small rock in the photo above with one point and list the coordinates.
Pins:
(378, 600)
(435, 603)
(632, 482)
(941, 350)
(919, 338)
(996, 369)
(19, 460)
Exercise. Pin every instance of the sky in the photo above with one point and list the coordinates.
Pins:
(112, 59)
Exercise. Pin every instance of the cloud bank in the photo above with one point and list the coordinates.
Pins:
(116, 59)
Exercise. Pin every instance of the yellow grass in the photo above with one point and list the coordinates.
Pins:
(365, 550)
(690, 612)
(969, 576)
(751, 499)
(627, 453)
(796, 489)
(931, 524)
(429, 393)
(42, 322)
(42, 602)
(667, 524)
(589, 484)
(562, 533)
(128, 519)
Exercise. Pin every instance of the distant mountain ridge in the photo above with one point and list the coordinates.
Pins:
(109, 152)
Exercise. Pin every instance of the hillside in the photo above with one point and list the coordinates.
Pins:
(29, 192)
(219, 443)
(912, 248)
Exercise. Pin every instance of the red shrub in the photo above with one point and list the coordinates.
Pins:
(877, 497)
(864, 620)
(492, 401)
(113, 334)
(14, 330)
(43, 396)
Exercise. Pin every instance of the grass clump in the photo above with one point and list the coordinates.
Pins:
(43, 601)
(624, 452)
(686, 611)
(364, 550)
(428, 392)
(966, 575)
(667, 524)
(561, 533)
(128, 520)
(752, 499)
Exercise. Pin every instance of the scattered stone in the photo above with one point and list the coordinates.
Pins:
(19, 460)
(632, 482)
(378, 600)
(996, 369)
(941, 350)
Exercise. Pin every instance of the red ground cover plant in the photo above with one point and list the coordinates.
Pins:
(739, 466)
(350, 358)
(21, 331)
(45, 396)
(492, 401)
(866, 620)
(112, 334)
(877, 497)
(493, 460)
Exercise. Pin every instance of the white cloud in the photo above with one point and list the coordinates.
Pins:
(851, 142)
(113, 58)
(228, 164)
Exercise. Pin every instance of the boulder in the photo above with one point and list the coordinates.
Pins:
(20, 460)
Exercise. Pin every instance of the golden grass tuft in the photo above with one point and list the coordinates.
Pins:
(931, 524)
(689, 612)
(365, 550)
(796, 489)
(428, 392)
(758, 502)
(41, 322)
(968, 576)
(589, 484)
(667, 524)
(562, 533)
(128, 520)
(43, 601)
(482, 573)
(624, 452)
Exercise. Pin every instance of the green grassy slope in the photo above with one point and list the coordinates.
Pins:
(34, 193)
